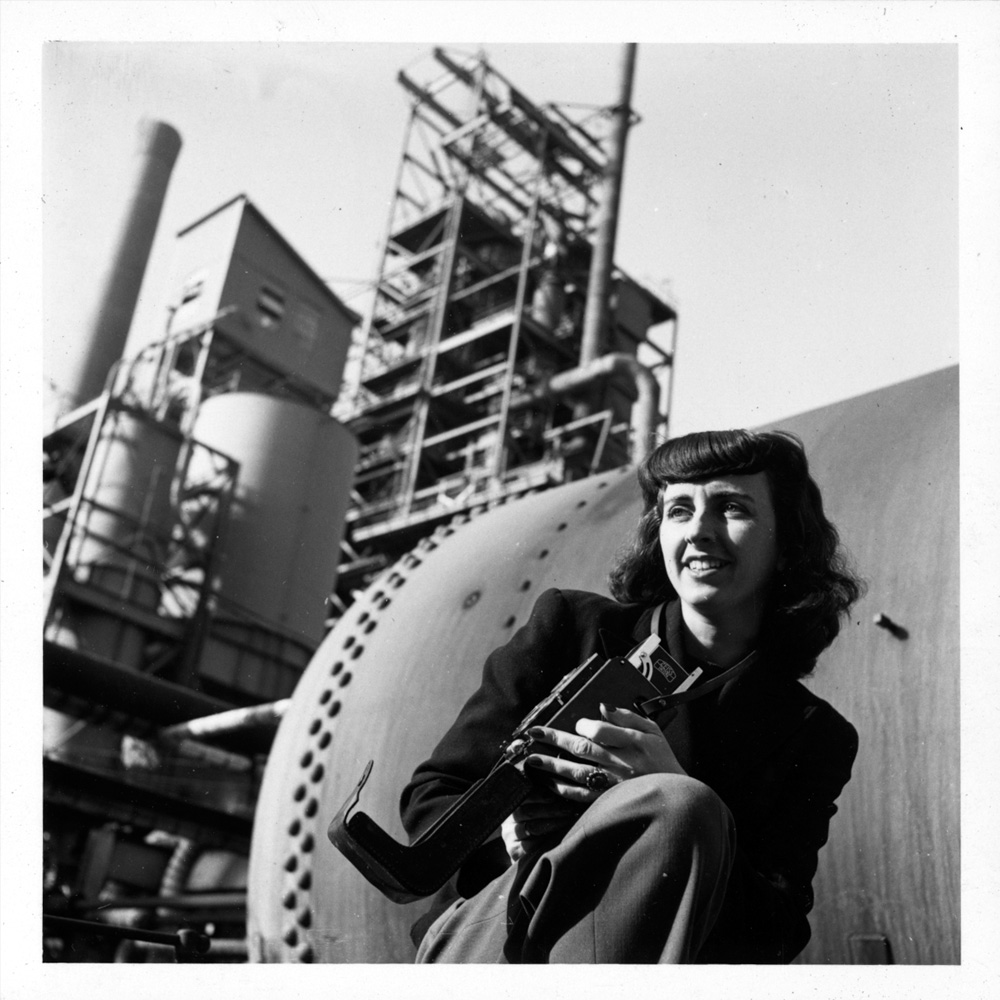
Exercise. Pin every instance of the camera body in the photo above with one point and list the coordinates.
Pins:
(646, 673)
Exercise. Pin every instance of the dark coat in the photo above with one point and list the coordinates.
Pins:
(776, 754)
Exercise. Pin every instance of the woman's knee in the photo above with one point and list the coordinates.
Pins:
(676, 801)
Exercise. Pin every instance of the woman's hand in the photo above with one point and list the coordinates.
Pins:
(536, 819)
(623, 745)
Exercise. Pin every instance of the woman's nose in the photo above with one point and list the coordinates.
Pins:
(698, 526)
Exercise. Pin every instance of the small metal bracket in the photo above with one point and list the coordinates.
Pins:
(870, 949)
(882, 620)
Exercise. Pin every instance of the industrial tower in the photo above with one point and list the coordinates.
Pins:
(470, 382)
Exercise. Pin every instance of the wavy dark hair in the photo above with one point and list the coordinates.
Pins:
(815, 588)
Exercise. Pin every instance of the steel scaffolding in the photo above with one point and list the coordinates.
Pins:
(479, 303)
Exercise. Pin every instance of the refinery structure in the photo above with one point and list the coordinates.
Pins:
(216, 501)
(478, 376)
(281, 539)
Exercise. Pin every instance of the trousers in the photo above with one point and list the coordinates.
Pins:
(639, 877)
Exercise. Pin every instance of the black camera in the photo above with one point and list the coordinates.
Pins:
(646, 680)
(641, 680)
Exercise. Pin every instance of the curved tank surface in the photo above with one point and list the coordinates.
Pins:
(279, 552)
(122, 534)
(391, 676)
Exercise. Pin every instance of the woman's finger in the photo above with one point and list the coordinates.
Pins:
(605, 734)
(627, 719)
(570, 778)
(559, 768)
(530, 829)
(573, 744)
(578, 794)
(522, 834)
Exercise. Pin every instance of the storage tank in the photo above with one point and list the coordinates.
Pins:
(398, 666)
(120, 539)
(277, 556)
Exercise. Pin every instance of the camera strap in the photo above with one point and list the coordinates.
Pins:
(667, 701)
(658, 623)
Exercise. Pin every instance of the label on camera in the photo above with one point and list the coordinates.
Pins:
(660, 668)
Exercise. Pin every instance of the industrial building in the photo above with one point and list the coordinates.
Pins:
(219, 498)
(193, 520)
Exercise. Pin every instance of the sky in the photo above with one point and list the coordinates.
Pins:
(797, 203)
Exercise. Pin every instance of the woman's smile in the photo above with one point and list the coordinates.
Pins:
(704, 566)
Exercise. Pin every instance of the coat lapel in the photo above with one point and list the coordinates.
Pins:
(753, 714)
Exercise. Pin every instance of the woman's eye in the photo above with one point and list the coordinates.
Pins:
(735, 508)
(676, 512)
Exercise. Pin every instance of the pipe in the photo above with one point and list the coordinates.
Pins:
(645, 411)
(228, 948)
(100, 681)
(204, 753)
(186, 943)
(226, 723)
(216, 899)
(173, 882)
(220, 948)
(595, 316)
(108, 329)
(137, 752)
(95, 680)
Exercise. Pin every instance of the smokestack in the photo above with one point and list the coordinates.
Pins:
(596, 313)
(108, 327)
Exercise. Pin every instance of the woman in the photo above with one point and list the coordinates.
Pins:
(697, 843)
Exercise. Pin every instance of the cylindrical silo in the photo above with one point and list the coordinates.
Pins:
(105, 331)
(278, 553)
(121, 536)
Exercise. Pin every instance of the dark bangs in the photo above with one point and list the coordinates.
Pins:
(717, 453)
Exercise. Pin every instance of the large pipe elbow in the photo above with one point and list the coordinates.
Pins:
(645, 411)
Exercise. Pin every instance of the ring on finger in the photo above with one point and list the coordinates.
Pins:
(597, 779)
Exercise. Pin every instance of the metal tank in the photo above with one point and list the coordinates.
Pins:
(85, 369)
(392, 675)
(887, 889)
(121, 536)
(277, 557)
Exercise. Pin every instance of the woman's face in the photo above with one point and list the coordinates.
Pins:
(719, 544)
